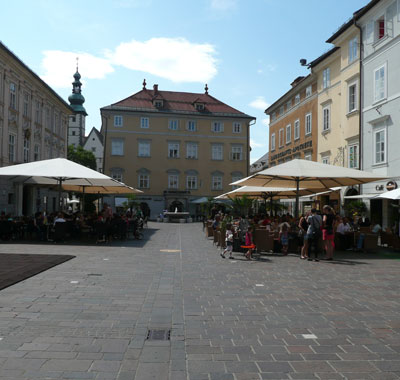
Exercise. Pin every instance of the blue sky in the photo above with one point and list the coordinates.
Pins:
(247, 51)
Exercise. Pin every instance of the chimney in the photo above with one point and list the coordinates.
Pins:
(155, 88)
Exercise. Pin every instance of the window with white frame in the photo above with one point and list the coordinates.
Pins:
(173, 125)
(289, 105)
(273, 116)
(353, 49)
(216, 182)
(36, 153)
(325, 160)
(236, 176)
(352, 97)
(273, 142)
(297, 99)
(380, 83)
(326, 78)
(288, 133)
(297, 129)
(191, 182)
(117, 147)
(13, 96)
(191, 125)
(144, 122)
(26, 105)
(307, 156)
(380, 146)
(118, 121)
(237, 127)
(192, 150)
(173, 150)
(281, 136)
(117, 175)
(308, 91)
(217, 152)
(93, 149)
(237, 153)
(326, 118)
(144, 148)
(144, 181)
(217, 126)
(308, 124)
(11, 147)
(173, 181)
(26, 149)
(353, 156)
(281, 110)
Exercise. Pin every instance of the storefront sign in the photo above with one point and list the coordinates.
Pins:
(391, 185)
(298, 148)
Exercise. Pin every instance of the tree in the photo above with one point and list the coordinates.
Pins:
(88, 159)
(82, 157)
(242, 205)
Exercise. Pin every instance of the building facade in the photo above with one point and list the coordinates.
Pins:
(175, 146)
(380, 24)
(94, 143)
(293, 123)
(33, 126)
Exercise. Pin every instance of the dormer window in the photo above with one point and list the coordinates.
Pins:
(158, 103)
(199, 106)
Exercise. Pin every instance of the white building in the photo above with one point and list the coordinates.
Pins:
(380, 23)
(94, 144)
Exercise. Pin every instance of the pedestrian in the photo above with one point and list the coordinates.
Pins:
(314, 233)
(303, 227)
(249, 243)
(328, 234)
(228, 241)
(284, 238)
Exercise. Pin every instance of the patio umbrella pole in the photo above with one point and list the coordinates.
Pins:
(296, 212)
(59, 195)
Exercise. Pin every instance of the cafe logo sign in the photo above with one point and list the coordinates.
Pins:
(391, 185)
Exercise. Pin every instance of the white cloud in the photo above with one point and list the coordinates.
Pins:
(59, 67)
(265, 121)
(255, 144)
(175, 59)
(259, 103)
(223, 5)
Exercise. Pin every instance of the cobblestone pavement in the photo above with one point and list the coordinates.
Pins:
(274, 318)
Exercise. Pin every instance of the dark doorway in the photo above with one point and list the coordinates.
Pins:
(25, 201)
(176, 205)
(376, 211)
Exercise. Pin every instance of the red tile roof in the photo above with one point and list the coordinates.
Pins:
(177, 102)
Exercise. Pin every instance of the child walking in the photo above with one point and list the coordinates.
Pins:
(249, 243)
(229, 242)
(284, 238)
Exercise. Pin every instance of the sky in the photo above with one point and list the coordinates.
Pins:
(247, 51)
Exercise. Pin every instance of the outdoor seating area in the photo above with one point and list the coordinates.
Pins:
(63, 228)
(267, 238)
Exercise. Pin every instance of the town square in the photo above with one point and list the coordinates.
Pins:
(202, 190)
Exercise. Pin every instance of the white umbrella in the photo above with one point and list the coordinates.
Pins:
(309, 175)
(392, 194)
(59, 171)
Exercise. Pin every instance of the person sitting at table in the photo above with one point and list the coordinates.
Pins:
(343, 230)
(59, 219)
(375, 229)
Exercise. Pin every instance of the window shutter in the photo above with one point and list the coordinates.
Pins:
(390, 15)
(369, 33)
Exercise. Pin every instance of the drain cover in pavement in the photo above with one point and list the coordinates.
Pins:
(159, 335)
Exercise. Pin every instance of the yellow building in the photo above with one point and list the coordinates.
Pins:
(175, 146)
(338, 73)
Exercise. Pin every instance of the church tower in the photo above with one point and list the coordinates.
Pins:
(76, 125)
